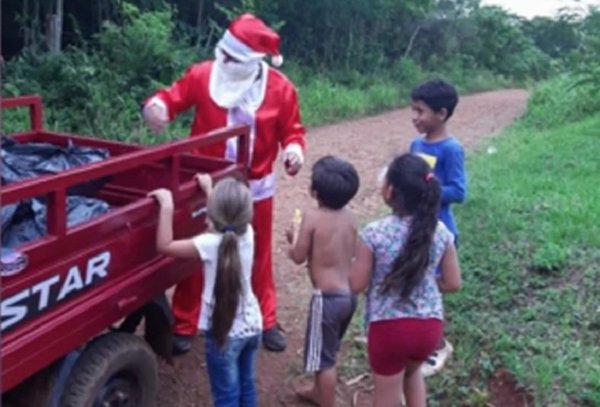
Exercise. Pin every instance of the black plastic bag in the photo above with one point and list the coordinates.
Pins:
(28, 160)
(19, 225)
(26, 221)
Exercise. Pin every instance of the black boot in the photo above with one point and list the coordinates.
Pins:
(274, 340)
(182, 344)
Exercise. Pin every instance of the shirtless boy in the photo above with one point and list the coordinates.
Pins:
(326, 238)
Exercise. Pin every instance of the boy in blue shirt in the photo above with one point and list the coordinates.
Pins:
(433, 104)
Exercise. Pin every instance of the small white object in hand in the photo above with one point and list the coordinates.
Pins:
(492, 150)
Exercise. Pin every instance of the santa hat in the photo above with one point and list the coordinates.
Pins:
(248, 37)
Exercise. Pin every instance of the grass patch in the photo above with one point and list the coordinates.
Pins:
(558, 101)
(336, 96)
(323, 100)
(530, 234)
(531, 229)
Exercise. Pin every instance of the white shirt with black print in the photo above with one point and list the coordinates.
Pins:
(248, 319)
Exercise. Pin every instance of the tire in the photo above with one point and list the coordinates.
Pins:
(114, 370)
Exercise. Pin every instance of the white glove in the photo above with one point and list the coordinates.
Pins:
(156, 115)
(293, 159)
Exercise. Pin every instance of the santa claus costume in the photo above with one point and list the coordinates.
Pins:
(238, 87)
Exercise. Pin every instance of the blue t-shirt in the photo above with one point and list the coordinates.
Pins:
(447, 157)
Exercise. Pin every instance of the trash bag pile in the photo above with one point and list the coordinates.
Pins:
(26, 220)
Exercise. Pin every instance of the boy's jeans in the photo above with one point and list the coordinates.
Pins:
(231, 370)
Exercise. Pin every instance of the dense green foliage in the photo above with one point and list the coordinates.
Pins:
(347, 58)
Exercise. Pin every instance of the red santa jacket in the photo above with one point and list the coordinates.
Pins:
(277, 121)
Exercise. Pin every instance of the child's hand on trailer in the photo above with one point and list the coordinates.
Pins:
(205, 183)
(164, 197)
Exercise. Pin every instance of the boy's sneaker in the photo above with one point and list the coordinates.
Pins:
(437, 360)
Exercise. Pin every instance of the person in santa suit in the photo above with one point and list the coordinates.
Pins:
(238, 87)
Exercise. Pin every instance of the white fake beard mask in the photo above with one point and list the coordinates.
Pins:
(230, 80)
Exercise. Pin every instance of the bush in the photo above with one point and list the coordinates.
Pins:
(560, 101)
(98, 91)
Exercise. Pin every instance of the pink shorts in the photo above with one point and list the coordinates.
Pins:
(394, 343)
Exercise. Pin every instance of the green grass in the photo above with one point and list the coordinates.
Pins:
(324, 101)
(530, 256)
(557, 101)
(531, 232)
(338, 96)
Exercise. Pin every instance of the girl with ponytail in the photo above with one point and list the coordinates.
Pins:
(230, 315)
(395, 263)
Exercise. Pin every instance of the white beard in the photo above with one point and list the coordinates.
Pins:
(229, 82)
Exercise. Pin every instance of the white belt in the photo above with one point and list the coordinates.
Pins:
(263, 188)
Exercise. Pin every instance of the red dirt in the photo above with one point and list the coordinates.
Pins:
(369, 143)
(504, 391)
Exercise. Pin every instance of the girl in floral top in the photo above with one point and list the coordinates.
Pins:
(395, 263)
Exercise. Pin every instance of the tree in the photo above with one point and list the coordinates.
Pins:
(55, 28)
(557, 37)
(588, 58)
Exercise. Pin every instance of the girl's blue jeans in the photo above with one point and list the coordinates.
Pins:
(231, 371)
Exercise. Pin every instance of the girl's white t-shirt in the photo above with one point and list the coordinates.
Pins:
(248, 320)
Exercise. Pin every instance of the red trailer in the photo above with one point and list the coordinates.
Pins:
(59, 340)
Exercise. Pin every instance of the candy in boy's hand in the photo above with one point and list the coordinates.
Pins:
(297, 217)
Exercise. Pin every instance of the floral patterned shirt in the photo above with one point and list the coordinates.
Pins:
(386, 237)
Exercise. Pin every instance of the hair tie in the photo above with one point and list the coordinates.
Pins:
(229, 228)
(429, 176)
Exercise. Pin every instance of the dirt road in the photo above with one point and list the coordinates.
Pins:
(368, 143)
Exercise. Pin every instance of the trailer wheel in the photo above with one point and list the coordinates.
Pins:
(114, 370)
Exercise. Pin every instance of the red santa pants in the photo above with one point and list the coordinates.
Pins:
(188, 293)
